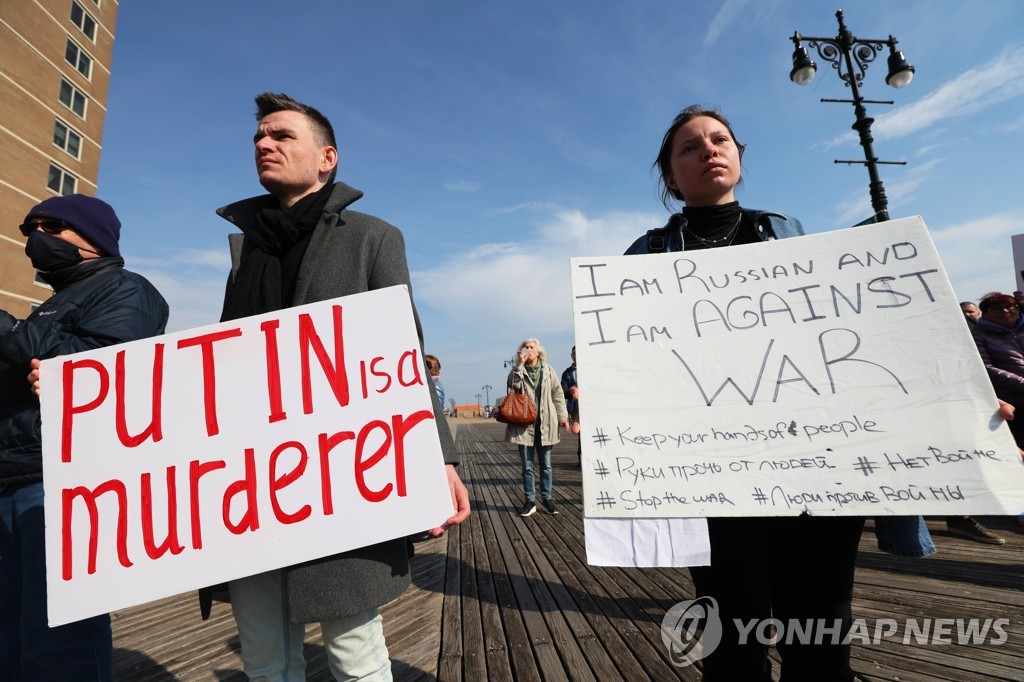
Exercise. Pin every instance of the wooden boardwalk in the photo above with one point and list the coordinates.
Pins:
(508, 598)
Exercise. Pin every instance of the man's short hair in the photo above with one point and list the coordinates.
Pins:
(323, 132)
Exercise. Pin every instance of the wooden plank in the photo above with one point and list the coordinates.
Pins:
(474, 664)
(494, 649)
(575, 576)
(573, 662)
(539, 636)
(625, 625)
(505, 598)
(450, 663)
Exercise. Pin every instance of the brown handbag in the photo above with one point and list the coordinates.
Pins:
(517, 408)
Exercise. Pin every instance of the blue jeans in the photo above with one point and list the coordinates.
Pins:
(272, 644)
(29, 649)
(904, 536)
(544, 455)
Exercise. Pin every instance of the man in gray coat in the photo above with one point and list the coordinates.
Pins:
(300, 244)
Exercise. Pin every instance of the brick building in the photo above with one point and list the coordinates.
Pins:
(468, 411)
(54, 74)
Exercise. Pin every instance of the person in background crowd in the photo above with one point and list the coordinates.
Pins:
(73, 241)
(967, 526)
(533, 374)
(570, 391)
(999, 336)
(434, 367)
(970, 311)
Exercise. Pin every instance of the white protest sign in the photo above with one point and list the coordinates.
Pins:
(1017, 242)
(830, 374)
(211, 454)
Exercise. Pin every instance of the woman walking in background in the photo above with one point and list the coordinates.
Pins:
(533, 375)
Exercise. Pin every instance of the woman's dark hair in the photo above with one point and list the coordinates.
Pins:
(663, 163)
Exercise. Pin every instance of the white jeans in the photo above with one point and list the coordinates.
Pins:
(272, 646)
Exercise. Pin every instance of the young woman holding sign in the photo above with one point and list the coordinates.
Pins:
(798, 568)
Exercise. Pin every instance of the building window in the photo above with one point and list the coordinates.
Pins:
(72, 98)
(61, 181)
(67, 139)
(76, 57)
(84, 21)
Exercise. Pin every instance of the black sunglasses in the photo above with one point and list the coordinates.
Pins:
(48, 226)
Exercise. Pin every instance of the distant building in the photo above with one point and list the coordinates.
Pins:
(468, 410)
(54, 75)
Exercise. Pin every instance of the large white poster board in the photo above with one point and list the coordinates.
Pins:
(830, 374)
(215, 453)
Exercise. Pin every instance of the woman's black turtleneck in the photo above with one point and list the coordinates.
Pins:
(709, 227)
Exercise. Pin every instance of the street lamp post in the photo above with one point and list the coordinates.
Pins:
(487, 391)
(850, 57)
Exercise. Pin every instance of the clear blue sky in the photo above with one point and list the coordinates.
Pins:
(505, 138)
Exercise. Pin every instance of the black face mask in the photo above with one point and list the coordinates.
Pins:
(49, 253)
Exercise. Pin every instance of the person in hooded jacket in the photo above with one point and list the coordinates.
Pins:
(999, 335)
(73, 242)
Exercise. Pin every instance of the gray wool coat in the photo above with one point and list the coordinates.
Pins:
(348, 253)
(550, 410)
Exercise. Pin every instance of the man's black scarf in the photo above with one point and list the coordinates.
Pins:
(266, 278)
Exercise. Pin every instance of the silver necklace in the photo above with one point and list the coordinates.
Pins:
(711, 243)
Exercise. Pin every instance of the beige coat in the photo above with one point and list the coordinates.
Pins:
(551, 409)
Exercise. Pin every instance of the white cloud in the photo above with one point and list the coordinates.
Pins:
(462, 186)
(191, 280)
(1014, 126)
(525, 285)
(212, 258)
(852, 210)
(194, 301)
(902, 187)
(726, 16)
(899, 190)
(526, 206)
(977, 254)
(478, 304)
